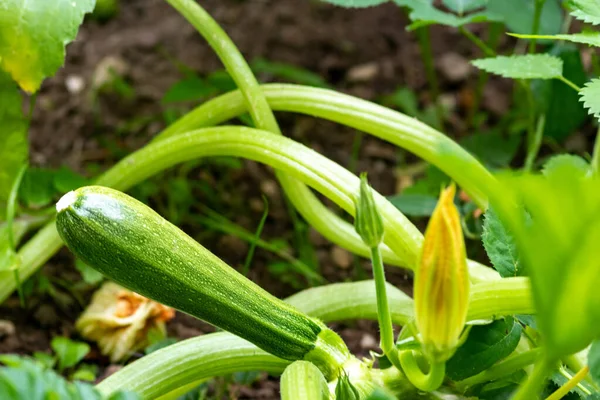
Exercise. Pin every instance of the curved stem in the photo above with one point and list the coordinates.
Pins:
(596, 155)
(402, 236)
(389, 125)
(299, 195)
(501, 369)
(192, 360)
(426, 382)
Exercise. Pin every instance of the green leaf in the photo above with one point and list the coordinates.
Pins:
(37, 189)
(89, 274)
(529, 66)
(590, 95)
(494, 149)
(566, 164)
(355, 3)
(85, 372)
(578, 392)
(66, 180)
(463, 6)
(424, 14)
(68, 352)
(591, 37)
(287, 72)
(594, 360)
(586, 10)
(33, 35)
(558, 246)
(500, 246)
(414, 205)
(559, 102)
(161, 344)
(24, 378)
(189, 89)
(518, 15)
(486, 345)
(13, 134)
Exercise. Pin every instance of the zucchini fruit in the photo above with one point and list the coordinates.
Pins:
(134, 246)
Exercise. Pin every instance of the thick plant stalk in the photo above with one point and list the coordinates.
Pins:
(203, 357)
(299, 195)
(301, 380)
(323, 174)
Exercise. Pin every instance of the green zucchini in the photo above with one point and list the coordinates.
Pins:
(134, 246)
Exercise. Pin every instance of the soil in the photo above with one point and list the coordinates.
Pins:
(366, 53)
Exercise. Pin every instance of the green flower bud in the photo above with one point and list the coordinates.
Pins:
(368, 221)
(345, 390)
(441, 286)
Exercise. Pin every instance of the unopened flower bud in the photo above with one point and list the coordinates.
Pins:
(345, 390)
(368, 221)
(441, 286)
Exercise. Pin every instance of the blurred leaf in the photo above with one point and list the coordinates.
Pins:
(518, 15)
(594, 360)
(430, 184)
(222, 81)
(590, 95)
(500, 246)
(189, 89)
(13, 133)
(405, 100)
(161, 344)
(590, 37)
(37, 189)
(493, 149)
(89, 274)
(68, 352)
(24, 378)
(529, 66)
(560, 379)
(462, 6)
(246, 377)
(586, 10)
(355, 3)
(66, 180)
(33, 35)
(287, 72)
(414, 205)
(423, 14)
(381, 394)
(485, 346)
(85, 372)
(45, 359)
(558, 246)
(568, 164)
(559, 102)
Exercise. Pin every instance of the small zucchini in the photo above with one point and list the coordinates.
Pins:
(134, 246)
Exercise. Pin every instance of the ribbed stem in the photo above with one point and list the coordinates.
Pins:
(301, 380)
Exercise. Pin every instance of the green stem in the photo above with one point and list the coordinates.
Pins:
(303, 380)
(307, 204)
(569, 83)
(427, 56)
(537, 15)
(534, 143)
(501, 369)
(488, 51)
(426, 382)
(515, 292)
(384, 123)
(203, 357)
(383, 310)
(10, 216)
(596, 155)
(259, 229)
(570, 385)
(531, 388)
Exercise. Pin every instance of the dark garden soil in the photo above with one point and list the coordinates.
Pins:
(366, 53)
